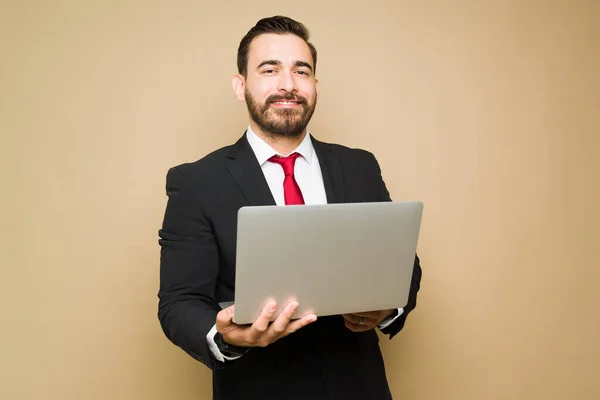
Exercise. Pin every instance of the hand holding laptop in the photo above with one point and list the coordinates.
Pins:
(361, 322)
(262, 332)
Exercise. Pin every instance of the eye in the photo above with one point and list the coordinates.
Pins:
(302, 73)
(269, 71)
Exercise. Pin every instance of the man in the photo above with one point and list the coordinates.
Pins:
(276, 161)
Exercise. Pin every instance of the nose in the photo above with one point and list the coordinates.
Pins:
(287, 83)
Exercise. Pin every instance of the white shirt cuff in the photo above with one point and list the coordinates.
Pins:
(214, 349)
(386, 322)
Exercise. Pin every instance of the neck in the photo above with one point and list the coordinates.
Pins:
(282, 145)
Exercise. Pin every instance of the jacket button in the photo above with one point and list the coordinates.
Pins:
(325, 356)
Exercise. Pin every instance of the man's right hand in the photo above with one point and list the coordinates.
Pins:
(261, 333)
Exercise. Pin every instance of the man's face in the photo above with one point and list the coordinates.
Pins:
(280, 89)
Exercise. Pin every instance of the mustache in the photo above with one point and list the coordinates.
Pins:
(288, 97)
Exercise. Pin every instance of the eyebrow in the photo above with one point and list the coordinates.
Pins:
(279, 63)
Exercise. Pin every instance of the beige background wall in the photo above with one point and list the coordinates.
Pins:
(488, 111)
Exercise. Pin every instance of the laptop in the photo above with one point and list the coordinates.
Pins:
(331, 258)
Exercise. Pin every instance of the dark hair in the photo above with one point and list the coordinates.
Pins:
(278, 25)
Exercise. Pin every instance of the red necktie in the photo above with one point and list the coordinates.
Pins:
(291, 190)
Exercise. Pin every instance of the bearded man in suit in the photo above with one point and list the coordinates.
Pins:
(275, 162)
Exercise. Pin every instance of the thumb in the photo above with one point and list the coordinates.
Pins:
(225, 318)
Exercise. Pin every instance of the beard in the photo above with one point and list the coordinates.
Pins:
(285, 122)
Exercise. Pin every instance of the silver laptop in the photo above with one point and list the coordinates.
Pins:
(332, 258)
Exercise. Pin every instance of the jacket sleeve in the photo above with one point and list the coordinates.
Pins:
(189, 264)
(395, 327)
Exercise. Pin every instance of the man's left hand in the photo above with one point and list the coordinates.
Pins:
(361, 322)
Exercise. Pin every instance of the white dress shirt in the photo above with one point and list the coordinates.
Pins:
(307, 172)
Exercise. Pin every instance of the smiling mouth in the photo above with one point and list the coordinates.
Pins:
(286, 102)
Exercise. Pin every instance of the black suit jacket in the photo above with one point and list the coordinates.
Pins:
(324, 360)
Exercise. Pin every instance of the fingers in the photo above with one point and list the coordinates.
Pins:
(353, 322)
(282, 321)
(300, 323)
(260, 326)
(262, 333)
(244, 335)
(351, 318)
(356, 318)
(358, 328)
(282, 325)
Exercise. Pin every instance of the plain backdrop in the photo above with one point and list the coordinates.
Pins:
(487, 111)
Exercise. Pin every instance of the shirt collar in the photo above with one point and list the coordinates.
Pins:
(263, 151)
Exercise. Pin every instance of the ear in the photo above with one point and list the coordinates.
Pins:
(238, 83)
(317, 90)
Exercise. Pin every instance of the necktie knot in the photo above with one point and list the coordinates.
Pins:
(287, 163)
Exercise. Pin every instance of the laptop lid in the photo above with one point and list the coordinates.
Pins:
(331, 258)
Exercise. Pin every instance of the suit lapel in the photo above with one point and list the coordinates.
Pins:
(245, 170)
(331, 169)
